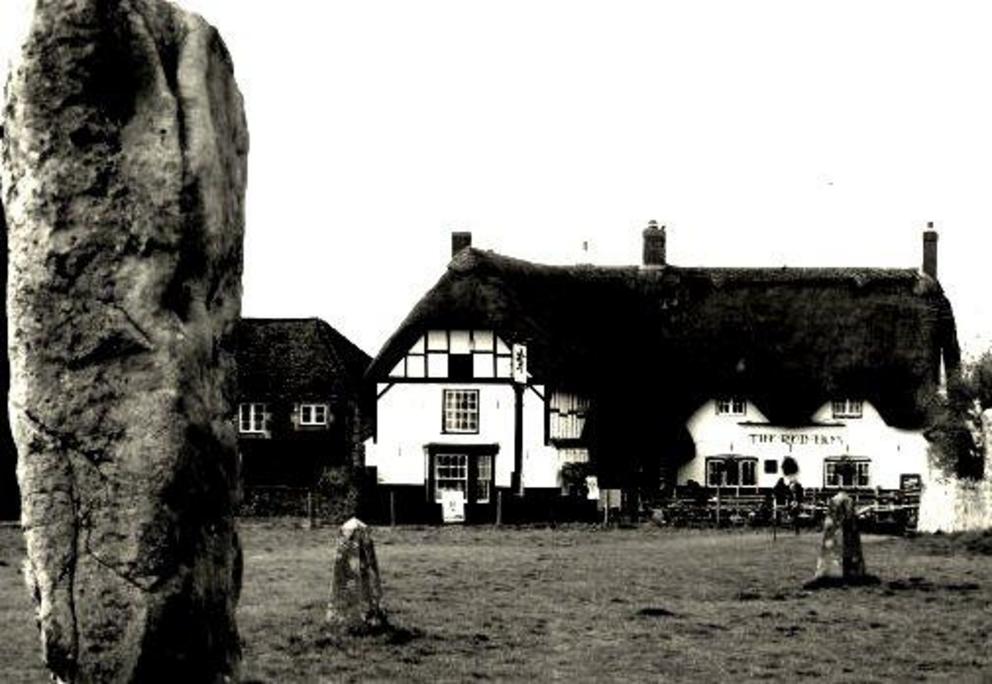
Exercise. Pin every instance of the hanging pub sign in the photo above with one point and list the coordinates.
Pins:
(520, 363)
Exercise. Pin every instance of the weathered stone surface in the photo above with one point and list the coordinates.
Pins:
(124, 165)
(356, 591)
(840, 560)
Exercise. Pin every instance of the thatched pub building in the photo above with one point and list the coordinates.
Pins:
(508, 377)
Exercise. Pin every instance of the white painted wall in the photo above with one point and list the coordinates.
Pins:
(409, 418)
(541, 464)
(892, 451)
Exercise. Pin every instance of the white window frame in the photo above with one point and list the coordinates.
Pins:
(731, 406)
(740, 460)
(847, 408)
(862, 473)
(454, 468)
(255, 418)
(483, 485)
(314, 407)
(566, 411)
(451, 411)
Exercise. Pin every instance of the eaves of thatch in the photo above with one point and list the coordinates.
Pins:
(652, 341)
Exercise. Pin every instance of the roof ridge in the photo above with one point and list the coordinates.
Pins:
(471, 256)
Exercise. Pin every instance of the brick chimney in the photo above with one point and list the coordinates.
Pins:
(654, 244)
(460, 240)
(930, 251)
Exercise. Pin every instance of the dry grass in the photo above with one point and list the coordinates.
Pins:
(587, 604)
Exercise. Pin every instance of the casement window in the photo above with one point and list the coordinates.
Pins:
(251, 418)
(847, 408)
(313, 414)
(846, 472)
(451, 474)
(484, 479)
(731, 472)
(461, 411)
(566, 416)
(468, 470)
(731, 406)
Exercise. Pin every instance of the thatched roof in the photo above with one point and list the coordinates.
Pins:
(296, 358)
(659, 341)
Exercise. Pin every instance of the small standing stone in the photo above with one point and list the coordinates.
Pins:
(840, 560)
(356, 590)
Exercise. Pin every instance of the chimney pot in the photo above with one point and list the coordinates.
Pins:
(460, 240)
(654, 244)
(930, 251)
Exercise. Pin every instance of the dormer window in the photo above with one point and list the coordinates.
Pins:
(847, 408)
(313, 414)
(731, 406)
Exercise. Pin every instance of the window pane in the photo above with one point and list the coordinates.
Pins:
(714, 472)
(749, 470)
(731, 472)
(450, 474)
(305, 411)
(483, 485)
(461, 410)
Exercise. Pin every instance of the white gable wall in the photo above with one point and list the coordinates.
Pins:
(410, 417)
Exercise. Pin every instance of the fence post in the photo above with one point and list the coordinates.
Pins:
(392, 508)
(499, 508)
(310, 515)
(774, 519)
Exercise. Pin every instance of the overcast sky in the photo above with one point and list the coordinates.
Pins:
(762, 134)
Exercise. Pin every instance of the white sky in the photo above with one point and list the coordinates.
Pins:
(762, 133)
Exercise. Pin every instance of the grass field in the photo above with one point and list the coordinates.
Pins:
(592, 605)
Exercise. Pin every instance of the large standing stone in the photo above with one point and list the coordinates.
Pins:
(840, 560)
(356, 591)
(124, 167)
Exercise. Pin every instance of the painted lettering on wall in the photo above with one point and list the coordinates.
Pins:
(796, 440)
